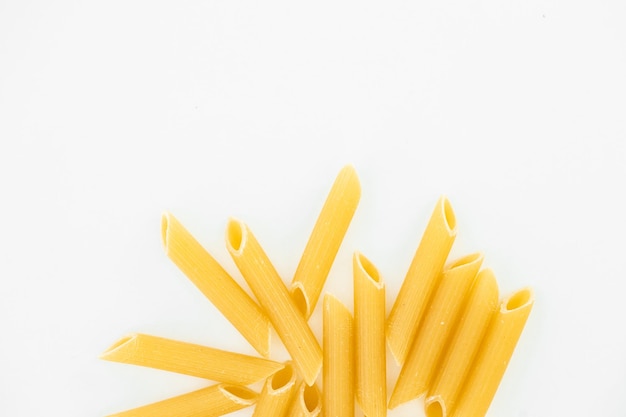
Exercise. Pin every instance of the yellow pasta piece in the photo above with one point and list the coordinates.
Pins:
(215, 283)
(213, 401)
(369, 323)
(432, 335)
(421, 279)
(494, 355)
(480, 306)
(324, 242)
(307, 402)
(338, 373)
(273, 295)
(277, 394)
(190, 359)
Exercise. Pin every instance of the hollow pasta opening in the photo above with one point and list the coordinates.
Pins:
(434, 409)
(468, 259)
(235, 235)
(300, 299)
(311, 398)
(369, 268)
(519, 299)
(239, 392)
(448, 214)
(282, 377)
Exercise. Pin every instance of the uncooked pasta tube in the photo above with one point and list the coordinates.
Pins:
(338, 373)
(420, 280)
(481, 304)
(215, 283)
(369, 323)
(277, 393)
(213, 401)
(494, 354)
(432, 336)
(190, 359)
(273, 296)
(324, 242)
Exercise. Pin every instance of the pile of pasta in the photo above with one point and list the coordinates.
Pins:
(447, 328)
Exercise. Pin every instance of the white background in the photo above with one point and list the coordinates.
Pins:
(113, 112)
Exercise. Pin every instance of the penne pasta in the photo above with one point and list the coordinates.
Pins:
(272, 294)
(325, 240)
(213, 401)
(215, 283)
(338, 373)
(494, 354)
(277, 394)
(447, 329)
(189, 359)
(420, 280)
(423, 357)
(369, 323)
(480, 306)
(307, 402)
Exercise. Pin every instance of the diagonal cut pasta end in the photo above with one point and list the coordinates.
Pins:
(300, 299)
(448, 215)
(395, 353)
(165, 229)
(117, 352)
(311, 399)
(282, 380)
(348, 174)
(236, 236)
(518, 300)
(397, 399)
(368, 270)
(435, 407)
(238, 395)
(471, 261)
(308, 402)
